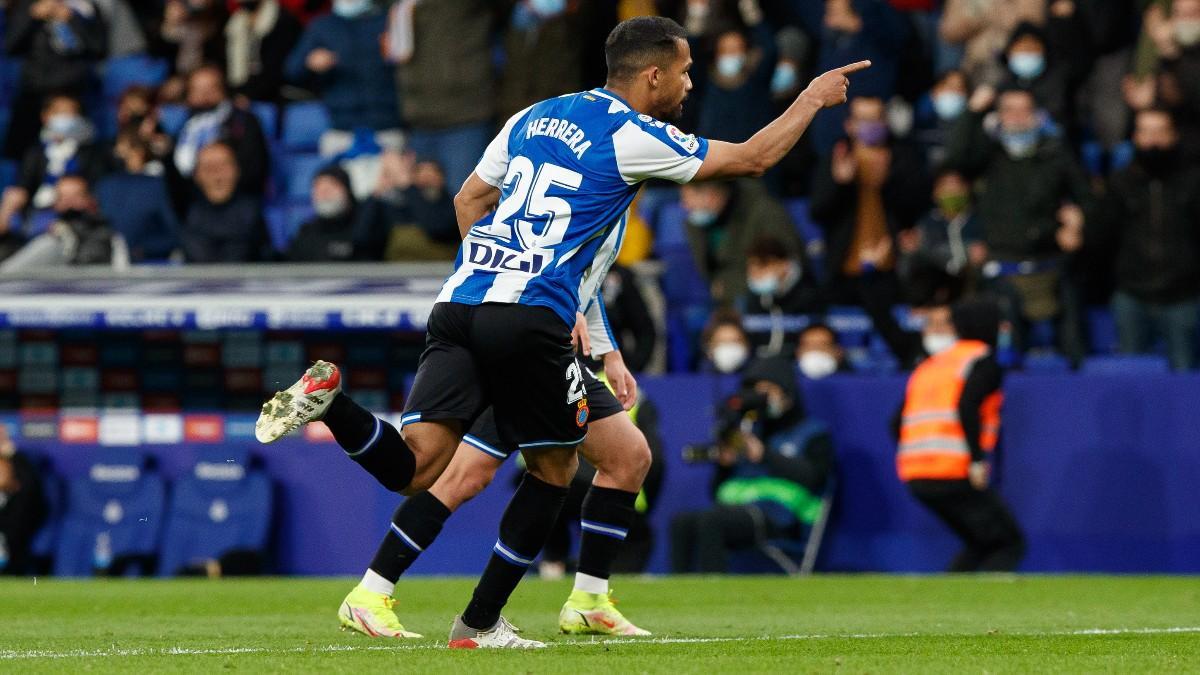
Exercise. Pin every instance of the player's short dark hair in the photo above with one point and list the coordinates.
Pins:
(768, 247)
(639, 42)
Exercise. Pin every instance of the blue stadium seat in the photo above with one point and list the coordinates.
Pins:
(10, 79)
(268, 118)
(1102, 330)
(123, 72)
(299, 170)
(172, 117)
(1120, 156)
(810, 233)
(276, 218)
(1091, 156)
(1126, 364)
(303, 124)
(222, 506)
(1046, 364)
(8, 172)
(671, 232)
(113, 513)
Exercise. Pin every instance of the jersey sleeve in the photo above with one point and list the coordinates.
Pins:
(493, 166)
(646, 148)
(599, 332)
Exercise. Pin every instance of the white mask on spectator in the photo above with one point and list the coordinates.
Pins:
(816, 364)
(729, 356)
(949, 105)
(936, 343)
(331, 208)
(729, 65)
(1187, 32)
(349, 9)
(547, 8)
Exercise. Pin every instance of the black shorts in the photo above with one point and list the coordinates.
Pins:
(485, 437)
(516, 359)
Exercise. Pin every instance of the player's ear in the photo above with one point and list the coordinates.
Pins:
(654, 76)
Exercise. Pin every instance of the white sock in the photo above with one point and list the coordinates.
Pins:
(590, 584)
(377, 584)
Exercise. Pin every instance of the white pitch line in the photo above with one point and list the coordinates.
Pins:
(116, 652)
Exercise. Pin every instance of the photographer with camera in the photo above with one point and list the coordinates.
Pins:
(772, 464)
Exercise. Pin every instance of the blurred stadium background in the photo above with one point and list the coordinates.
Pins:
(131, 371)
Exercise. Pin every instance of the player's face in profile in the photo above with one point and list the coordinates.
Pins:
(674, 84)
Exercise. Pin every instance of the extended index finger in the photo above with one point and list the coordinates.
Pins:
(853, 67)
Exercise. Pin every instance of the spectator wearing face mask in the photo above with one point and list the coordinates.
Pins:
(136, 202)
(1149, 218)
(850, 30)
(818, 354)
(412, 197)
(213, 118)
(947, 431)
(223, 225)
(339, 57)
(342, 229)
(137, 114)
(1178, 85)
(1030, 205)
(780, 291)
(948, 100)
(725, 343)
(258, 38)
(868, 190)
(66, 147)
(77, 235)
(771, 469)
(737, 100)
(983, 28)
(724, 219)
(1031, 66)
(60, 42)
(948, 237)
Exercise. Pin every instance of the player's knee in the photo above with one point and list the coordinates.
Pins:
(556, 467)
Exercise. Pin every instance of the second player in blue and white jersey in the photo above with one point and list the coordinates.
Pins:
(567, 169)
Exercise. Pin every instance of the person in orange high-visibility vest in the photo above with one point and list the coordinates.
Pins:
(948, 429)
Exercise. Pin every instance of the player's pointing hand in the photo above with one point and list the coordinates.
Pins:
(829, 89)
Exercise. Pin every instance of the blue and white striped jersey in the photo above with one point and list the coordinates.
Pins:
(567, 169)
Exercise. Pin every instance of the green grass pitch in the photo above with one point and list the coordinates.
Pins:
(854, 624)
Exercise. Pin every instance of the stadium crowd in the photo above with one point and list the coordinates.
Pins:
(1042, 151)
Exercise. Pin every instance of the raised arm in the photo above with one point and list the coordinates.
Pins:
(766, 148)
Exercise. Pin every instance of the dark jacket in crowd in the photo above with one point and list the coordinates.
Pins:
(1152, 220)
(1018, 202)
(432, 214)
(360, 90)
(528, 76)
(628, 317)
(1184, 71)
(449, 80)
(139, 209)
(232, 232)
(357, 234)
(835, 206)
(737, 113)
(90, 162)
(55, 60)
(91, 237)
(21, 514)
(719, 251)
